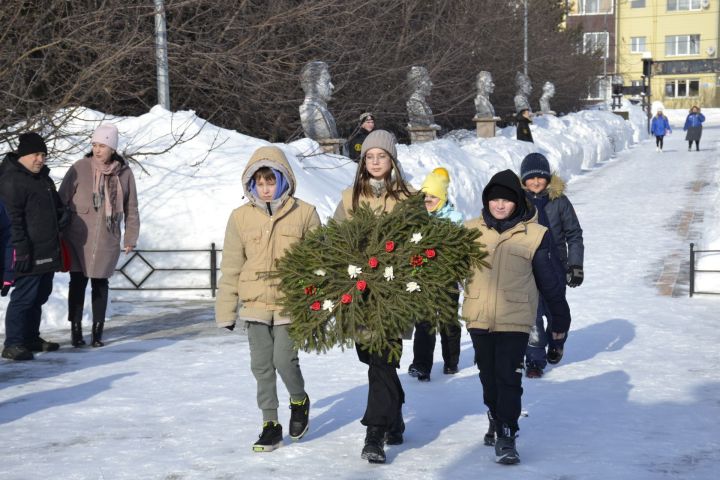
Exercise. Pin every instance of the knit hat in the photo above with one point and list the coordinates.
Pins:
(365, 116)
(31, 143)
(505, 185)
(379, 139)
(436, 184)
(107, 135)
(535, 165)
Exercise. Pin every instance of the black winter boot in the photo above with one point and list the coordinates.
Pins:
(374, 441)
(489, 438)
(394, 436)
(505, 451)
(299, 417)
(76, 334)
(97, 331)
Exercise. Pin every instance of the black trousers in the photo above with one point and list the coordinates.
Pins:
(697, 144)
(424, 345)
(385, 392)
(76, 297)
(499, 357)
(23, 314)
(659, 141)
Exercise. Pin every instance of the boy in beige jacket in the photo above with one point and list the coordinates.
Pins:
(257, 234)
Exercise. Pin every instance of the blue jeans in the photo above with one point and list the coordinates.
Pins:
(22, 318)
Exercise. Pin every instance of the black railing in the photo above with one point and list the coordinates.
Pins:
(150, 265)
(693, 270)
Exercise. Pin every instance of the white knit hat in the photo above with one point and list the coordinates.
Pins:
(107, 135)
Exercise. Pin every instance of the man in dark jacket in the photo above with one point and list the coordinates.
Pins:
(367, 125)
(36, 216)
(523, 126)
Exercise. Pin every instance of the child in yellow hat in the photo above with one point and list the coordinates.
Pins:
(435, 188)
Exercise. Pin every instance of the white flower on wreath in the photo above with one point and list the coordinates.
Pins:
(416, 237)
(319, 272)
(412, 287)
(328, 305)
(354, 271)
(388, 274)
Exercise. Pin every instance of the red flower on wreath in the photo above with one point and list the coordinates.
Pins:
(430, 253)
(310, 290)
(346, 298)
(361, 285)
(373, 262)
(389, 246)
(315, 306)
(416, 260)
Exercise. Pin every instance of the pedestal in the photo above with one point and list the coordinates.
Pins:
(485, 126)
(332, 145)
(420, 134)
(622, 113)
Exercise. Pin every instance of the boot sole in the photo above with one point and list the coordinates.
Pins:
(372, 457)
(507, 460)
(301, 435)
(489, 441)
(266, 448)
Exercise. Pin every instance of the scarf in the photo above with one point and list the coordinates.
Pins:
(107, 191)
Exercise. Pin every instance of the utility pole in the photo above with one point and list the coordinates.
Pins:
(161, 58)
(525, 43)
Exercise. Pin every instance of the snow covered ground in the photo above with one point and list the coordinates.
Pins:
(172, 397)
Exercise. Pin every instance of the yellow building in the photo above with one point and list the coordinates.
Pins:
(681, 38)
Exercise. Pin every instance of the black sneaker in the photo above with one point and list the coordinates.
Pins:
(450, 369)
(412, 371)
(299, 418)
(554, 355)
(17, 352)
(505, 451)
(40, 345)
(270, 438)
(532, 371)
(489, 438)
(373, 450)
(423, 377)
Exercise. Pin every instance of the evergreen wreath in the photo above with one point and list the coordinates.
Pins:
(368, 279)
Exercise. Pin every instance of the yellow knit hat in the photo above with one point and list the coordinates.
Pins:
(436, 184)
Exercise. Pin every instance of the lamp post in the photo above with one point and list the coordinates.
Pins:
(647, 63)
(617, 91)
(161, 58)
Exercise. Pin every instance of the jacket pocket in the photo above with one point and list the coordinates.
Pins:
(517, 308)
(474, 308)
(287, 235)
(250, 287)
(518, 259)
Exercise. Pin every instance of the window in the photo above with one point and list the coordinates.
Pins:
(594, 41)
(637, 44)
(637, 3)
(682, 88)
(678, 5)
(598, 89)
(590, 7)
(682, 45)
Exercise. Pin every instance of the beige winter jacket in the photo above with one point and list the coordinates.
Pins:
(254, 240)
(504, 298)
(93, 248)
(385, 203)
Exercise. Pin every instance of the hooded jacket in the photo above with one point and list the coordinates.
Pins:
(36, 214)
(660, 126)
(504, 298)
(94, 250)
(258, 234)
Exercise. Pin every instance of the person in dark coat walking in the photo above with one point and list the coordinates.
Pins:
(366, 125)
(501, 301)
(547, 193)
(6, 250)
(36, 218)
(693, 127)
(523, 126)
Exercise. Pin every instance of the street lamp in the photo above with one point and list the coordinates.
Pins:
(617, 91)
(647, 63)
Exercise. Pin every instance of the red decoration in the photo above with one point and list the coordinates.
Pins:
(346, 298)
(373, 262)
(389, 246)
(310, 290)
(361, 285)
(315, 306)
(416, 260)
(430, 253)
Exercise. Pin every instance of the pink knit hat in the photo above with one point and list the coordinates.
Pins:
(107, 135)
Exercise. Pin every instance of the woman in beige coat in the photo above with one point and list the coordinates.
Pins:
(100, 191)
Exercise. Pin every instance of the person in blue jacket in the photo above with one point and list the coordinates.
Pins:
(555, 211)
(435, 188)
(660, 127)
(693, 127)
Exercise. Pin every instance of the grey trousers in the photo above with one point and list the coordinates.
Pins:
(271, 350)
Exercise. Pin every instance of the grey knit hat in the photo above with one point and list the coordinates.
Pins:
(379, 139)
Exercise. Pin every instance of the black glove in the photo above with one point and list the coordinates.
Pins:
(63, 218)
(22, 264)
(230, 327)
(6, 286)
(574, 276)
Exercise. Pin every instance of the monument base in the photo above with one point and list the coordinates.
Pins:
(551, 113)
(332, 145)
(485, 126)
(422, 134)
(622, 113)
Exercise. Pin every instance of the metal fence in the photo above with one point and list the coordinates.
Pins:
(693, 270)
(150, 266)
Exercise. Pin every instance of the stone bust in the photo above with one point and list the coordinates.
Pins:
(316, 120)
(524, 88)
(485, 86)
(548, 93)
(419, 112)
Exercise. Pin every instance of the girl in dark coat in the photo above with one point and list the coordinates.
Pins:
(693, 126)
